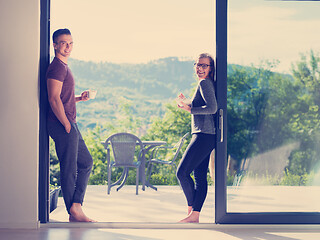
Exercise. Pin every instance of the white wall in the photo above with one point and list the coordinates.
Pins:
(19, 61)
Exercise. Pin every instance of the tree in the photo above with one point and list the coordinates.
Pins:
(126, 122)
(260, 106)
(306, 122)
(175, 123)
(54, 165)
(267, 110)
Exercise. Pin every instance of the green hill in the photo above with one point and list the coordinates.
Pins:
(146, 87)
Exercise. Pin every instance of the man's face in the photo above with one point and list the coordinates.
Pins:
(63, 45)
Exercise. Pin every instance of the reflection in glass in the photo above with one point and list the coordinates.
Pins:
(273, 107)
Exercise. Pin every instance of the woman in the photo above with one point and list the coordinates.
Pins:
(197, 155)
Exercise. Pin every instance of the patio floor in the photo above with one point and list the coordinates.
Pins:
(167, 205)
(153, 215)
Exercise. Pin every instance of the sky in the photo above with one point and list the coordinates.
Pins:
(139, 31)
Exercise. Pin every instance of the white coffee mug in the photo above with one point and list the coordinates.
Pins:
(92, 94)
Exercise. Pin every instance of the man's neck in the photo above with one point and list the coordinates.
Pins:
(62, 58)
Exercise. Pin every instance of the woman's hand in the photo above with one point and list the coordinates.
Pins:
(182, 103)
(182, 97)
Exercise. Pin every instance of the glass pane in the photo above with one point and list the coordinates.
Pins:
(138, 55)
(273, 106)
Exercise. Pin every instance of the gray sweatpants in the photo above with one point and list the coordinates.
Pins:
(75, 162)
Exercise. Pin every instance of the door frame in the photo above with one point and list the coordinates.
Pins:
(221, 214)
(221, 119)
(44, 161)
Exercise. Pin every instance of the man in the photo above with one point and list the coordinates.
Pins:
(74, 157)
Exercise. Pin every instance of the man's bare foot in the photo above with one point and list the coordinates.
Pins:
(192, 218)
(74, 219)
(77, 215)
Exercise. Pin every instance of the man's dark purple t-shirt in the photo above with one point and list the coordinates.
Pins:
(60, 71)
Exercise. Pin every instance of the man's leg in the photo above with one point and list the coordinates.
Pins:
(67, 149)
(84, 165)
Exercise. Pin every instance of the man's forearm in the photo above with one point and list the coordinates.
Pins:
(78, 98)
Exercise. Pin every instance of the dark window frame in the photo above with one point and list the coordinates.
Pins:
(221, 214)
(44, 163)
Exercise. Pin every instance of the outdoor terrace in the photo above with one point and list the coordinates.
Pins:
(168, 204)
(153, 215)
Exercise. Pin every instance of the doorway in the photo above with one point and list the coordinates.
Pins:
(227, 199)
(166, 50)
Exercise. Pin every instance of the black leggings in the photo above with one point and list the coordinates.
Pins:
(196, 158)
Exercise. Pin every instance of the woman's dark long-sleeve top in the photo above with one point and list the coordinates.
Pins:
(203, 106)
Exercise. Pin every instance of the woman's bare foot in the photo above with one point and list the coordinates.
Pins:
(193, 217)
(189, 210)
(77, 215)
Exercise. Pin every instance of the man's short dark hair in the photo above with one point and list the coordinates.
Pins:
(59, 32)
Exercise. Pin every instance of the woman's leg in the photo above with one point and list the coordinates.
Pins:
(185, 168)
(195, 157)
(200, 193)
(201, 184)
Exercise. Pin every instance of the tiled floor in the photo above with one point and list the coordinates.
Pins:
(167, 205)
(234, 232)
(153, 215)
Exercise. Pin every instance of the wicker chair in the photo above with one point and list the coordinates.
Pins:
(128, 151)
(156, 160)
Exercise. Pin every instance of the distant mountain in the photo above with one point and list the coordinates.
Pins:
(159, 79)
(148, 87)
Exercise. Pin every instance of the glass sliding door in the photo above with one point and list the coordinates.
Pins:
(137, 54)
(273, 106)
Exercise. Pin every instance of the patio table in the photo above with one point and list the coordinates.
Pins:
(148, 145)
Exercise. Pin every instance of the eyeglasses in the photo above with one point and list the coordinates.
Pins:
(203, 66)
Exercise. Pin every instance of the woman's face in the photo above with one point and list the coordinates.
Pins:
(202, 68)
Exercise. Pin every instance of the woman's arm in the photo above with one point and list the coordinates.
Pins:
(208, 95)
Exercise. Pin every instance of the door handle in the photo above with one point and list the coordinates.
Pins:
(221, 124)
